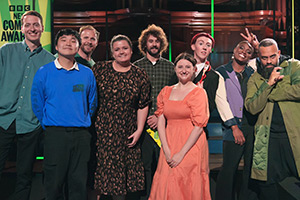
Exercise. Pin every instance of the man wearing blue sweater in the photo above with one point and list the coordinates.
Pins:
(64, 99)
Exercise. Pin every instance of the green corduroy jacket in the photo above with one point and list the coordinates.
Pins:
(260, 101)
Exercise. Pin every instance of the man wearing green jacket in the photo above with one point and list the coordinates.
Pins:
(274, 95)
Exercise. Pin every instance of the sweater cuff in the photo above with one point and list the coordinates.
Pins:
(230, 122)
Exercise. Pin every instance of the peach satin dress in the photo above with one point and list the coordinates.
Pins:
(190, 179)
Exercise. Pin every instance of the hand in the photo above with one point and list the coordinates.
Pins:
(135, 137)
(275, 76)
(152, 121)
(176, 159)
(251, 38)
(167, 153)
(238, 135)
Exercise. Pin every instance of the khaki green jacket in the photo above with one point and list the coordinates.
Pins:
(259, 101)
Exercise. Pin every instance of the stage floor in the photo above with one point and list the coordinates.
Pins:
(289, 189)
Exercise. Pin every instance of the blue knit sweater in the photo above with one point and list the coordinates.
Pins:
(64, 98)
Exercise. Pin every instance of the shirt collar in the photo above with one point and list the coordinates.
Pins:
(26, 48)
(154, 63)
(199, 67)
(58, 65)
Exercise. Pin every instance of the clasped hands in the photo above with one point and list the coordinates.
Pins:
(175, 160)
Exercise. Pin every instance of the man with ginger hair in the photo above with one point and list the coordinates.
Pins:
(89, 41)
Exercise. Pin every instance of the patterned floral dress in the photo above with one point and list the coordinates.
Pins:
(120, 94)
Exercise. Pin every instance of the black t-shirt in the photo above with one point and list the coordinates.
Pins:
(277, 128)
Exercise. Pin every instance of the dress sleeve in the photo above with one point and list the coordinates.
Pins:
(198, 103)
(145, 92)
(160, 102)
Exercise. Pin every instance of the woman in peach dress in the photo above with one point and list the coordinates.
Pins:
(182, 109)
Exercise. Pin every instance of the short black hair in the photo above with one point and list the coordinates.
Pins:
(268, 42)
(67, 31)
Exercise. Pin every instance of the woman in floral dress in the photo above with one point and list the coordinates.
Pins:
(124, 95)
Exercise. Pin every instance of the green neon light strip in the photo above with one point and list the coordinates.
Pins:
(39, 158)
(170, 51)
(293, 29)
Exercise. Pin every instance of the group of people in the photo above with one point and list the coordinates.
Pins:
(147, 120)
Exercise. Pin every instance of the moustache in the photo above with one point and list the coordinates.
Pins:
(154, 47)
(267, 70)
(270, 65)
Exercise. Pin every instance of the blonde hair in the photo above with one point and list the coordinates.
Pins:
(89, 27)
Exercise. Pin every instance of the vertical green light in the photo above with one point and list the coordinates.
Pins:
(170, 51)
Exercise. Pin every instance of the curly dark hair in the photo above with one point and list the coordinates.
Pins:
(157, 32)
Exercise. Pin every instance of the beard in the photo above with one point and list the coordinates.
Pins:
(267, 70)
(87, 52)
(153, 54)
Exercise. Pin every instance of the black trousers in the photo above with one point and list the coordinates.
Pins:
(67, 152)
(26, 152)
(232, 154)
(281, 164)
(150, 154)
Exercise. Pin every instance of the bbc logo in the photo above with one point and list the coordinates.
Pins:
(19, 8)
